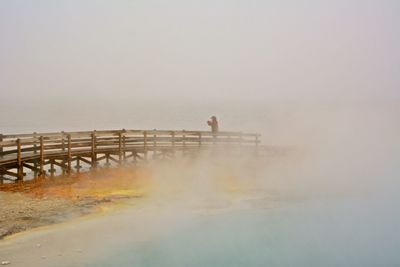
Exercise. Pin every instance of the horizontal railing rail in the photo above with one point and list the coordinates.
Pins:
(18, 151)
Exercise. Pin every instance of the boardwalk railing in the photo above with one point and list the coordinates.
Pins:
(44, 154)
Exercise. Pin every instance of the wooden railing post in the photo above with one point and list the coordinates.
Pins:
(41, 162)
(120, 147)
(1, 146)
(173, 142)
(145, 144)
(19, 162)
(35, 163)
(155, 144)
(124, 147)
(69, 155)
(93, 148)
(34, 143)
(1, 155)
(200, 141)
(184, 140)
(62, 141)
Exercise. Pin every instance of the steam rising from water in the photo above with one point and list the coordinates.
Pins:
(328, 202)
(331, 199)
(320, 77)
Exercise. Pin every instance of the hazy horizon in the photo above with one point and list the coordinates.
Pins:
(76, 54)
(319, 76)
(259, 66)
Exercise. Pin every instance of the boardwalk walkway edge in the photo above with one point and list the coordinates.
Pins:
(44, 154)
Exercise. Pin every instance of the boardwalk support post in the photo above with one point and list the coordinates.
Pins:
(62, 141)
(52, 169)
(124, 146)
(1, 155)
(173, 142)
(184, 141)
(34, 143)
(200, 140)
(41, 161)
(1, 146)
(55, 152)
(78, 165)
(120, 147)
(19, 162)
(155, 144)
(145, 144)
(93, 147)
(35, 164)
(107, 159)
(69, 155)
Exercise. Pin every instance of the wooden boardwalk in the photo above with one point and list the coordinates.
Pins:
(39, 155)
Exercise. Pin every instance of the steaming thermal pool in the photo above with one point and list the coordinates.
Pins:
(249, 232)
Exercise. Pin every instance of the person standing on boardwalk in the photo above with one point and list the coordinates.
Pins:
(213, 123)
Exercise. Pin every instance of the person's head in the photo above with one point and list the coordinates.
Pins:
(214, 118)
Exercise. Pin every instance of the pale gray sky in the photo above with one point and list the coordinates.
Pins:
(59, 54)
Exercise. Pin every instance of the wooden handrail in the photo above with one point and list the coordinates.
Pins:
(55, 135)
(18, 151)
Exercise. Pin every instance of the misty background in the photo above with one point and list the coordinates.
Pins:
(319, 76)
(257, 65)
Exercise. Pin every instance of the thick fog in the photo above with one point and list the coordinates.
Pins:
(102, 64)
(319, 77)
